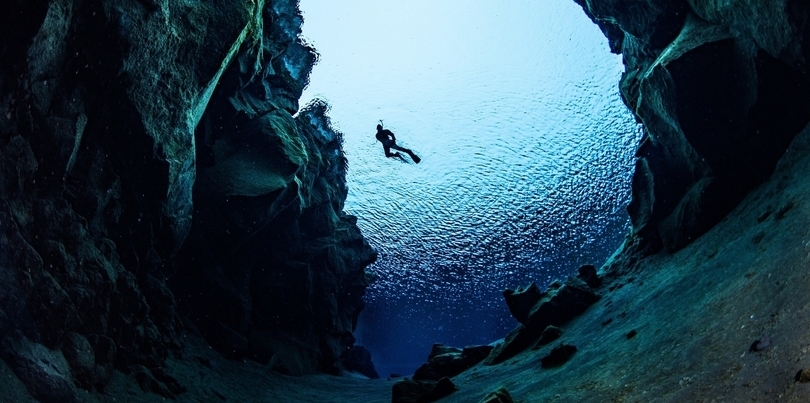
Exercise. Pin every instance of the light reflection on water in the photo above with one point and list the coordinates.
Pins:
(526, 148)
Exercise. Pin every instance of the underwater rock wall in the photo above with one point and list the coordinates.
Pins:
(721, 88)
(117, 119)
(274, 270)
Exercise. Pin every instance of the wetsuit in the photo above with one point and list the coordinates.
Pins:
(389, 141)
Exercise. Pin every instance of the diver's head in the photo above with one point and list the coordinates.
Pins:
(379, 127)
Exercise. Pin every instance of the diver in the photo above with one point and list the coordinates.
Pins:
(389, 141)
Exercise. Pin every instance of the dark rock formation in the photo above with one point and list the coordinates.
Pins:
(82, 359)
(558, 356)
(358, 359)
(156, 381)
(44, 372)
(550, 334)
(521, 301)
(274, 270)
(448, 362)
(559, 304)
(98, 102)
(125, 126)
(587, 273)
(721, 88)
(413, 391)
(501, 395)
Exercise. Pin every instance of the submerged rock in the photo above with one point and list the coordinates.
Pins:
(358, 359)
(156, 381)
(587, 273)
(803, 376)
(558, 356)
(448, 362)
(550, 334)
(82, 359)
(760, 344)
(45, 373)
(560, 304)
(501, 395)
(521, 301)
(414, 391)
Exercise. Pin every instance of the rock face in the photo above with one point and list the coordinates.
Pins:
(273, 270)
(721, 89)
(130, 127)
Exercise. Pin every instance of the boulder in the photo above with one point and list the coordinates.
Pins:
(448, 362)
(549, 335)
(82, 359)
(148, 382)
(104, 353)
(587, 273)
(521, 301)
(558, 356)
(500, 395)
(560, 304)
(358, 359)
(415, 391)
(519, 339)
(803, 376)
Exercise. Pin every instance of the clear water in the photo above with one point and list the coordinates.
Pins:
(527, 154)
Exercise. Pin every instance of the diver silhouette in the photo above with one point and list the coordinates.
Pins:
(389, 141)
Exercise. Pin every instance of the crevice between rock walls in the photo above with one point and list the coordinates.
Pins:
(153, 141)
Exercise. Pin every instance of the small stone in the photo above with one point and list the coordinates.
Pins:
(803, 376)
(501, 395)
(760, 344)
(631, 334)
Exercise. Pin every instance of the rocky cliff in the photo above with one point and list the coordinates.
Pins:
(151, 170)
(721, 89)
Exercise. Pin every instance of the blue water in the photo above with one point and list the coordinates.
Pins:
(527, 154)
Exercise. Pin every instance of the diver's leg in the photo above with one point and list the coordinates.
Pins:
(396, 147)
(388, 152)
(414, 157)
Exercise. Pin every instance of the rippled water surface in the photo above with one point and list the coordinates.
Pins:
(526, 147)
